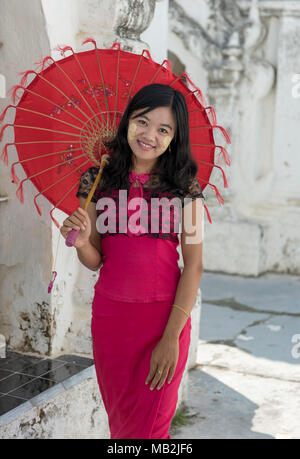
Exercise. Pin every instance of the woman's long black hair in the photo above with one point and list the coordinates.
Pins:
(176, 168)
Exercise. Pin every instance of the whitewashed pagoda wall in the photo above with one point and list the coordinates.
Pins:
(246, 55)
(26, 313)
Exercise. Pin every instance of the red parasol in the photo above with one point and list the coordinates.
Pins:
(75, 103)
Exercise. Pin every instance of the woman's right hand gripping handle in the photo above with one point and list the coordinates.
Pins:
(78, 221)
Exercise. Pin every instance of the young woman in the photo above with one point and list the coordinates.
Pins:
(141, 309)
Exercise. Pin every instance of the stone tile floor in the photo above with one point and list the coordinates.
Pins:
(22, 377)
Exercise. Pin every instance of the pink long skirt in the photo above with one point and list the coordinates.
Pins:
(124, 335)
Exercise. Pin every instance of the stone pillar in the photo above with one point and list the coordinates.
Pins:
(240, 82)
(115, 20)
(286, 157)
(283, 239)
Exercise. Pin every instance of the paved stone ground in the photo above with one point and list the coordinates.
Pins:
(247, 380)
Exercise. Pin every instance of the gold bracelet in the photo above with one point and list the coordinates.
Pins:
(183, 310)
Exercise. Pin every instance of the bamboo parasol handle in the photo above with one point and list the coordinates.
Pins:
(72, 236)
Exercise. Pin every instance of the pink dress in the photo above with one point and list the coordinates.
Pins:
(133, 299)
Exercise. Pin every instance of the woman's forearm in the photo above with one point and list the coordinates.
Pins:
(185, 298)
(89, 256)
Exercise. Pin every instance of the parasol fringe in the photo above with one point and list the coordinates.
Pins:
(23, 81)
(219, 167)
(213, 114)
(167, 65)
(223, 152)
(116, 45)
(4, 156)
(203, 101)
(225, 155)
(53, 219)
(219, 197)
(207, 213)
(3, 114)
(150, 58)
(89, 40)
(152, 63)
(3, 129)
(210, 111)
(14, 177)
(224, 177)
(36, 205)
(218, 194)
(20, 192)
(42, 63)
(224, 132)
(63, 49)
(184, 75)
(13, 92)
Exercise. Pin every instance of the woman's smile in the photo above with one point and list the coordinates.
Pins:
(144, 145)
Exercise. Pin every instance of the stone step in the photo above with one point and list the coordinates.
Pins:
(2, 347)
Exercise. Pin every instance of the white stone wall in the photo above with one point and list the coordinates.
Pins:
(156, 35)
(25, 248)
(244, 56)
(70, 410)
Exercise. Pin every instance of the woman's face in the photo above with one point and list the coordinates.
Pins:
(150, 135)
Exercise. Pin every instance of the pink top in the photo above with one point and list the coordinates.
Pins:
(138, 269)
(139, 249)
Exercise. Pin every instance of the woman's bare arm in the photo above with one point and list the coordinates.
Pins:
(90, 254)
(88, 242)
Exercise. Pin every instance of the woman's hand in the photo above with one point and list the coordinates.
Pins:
(164, 358)
(80, 221)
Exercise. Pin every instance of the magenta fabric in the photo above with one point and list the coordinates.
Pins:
(135, 192)
(147, 268)
(152, 210)
(140, 269)
(134, 295)
(124, 336)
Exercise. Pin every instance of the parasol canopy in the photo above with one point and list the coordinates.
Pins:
(74, 104)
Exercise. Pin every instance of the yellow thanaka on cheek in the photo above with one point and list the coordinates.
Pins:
(166, 142)
(131, 131)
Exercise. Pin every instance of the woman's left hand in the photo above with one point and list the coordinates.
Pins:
(164, 358)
